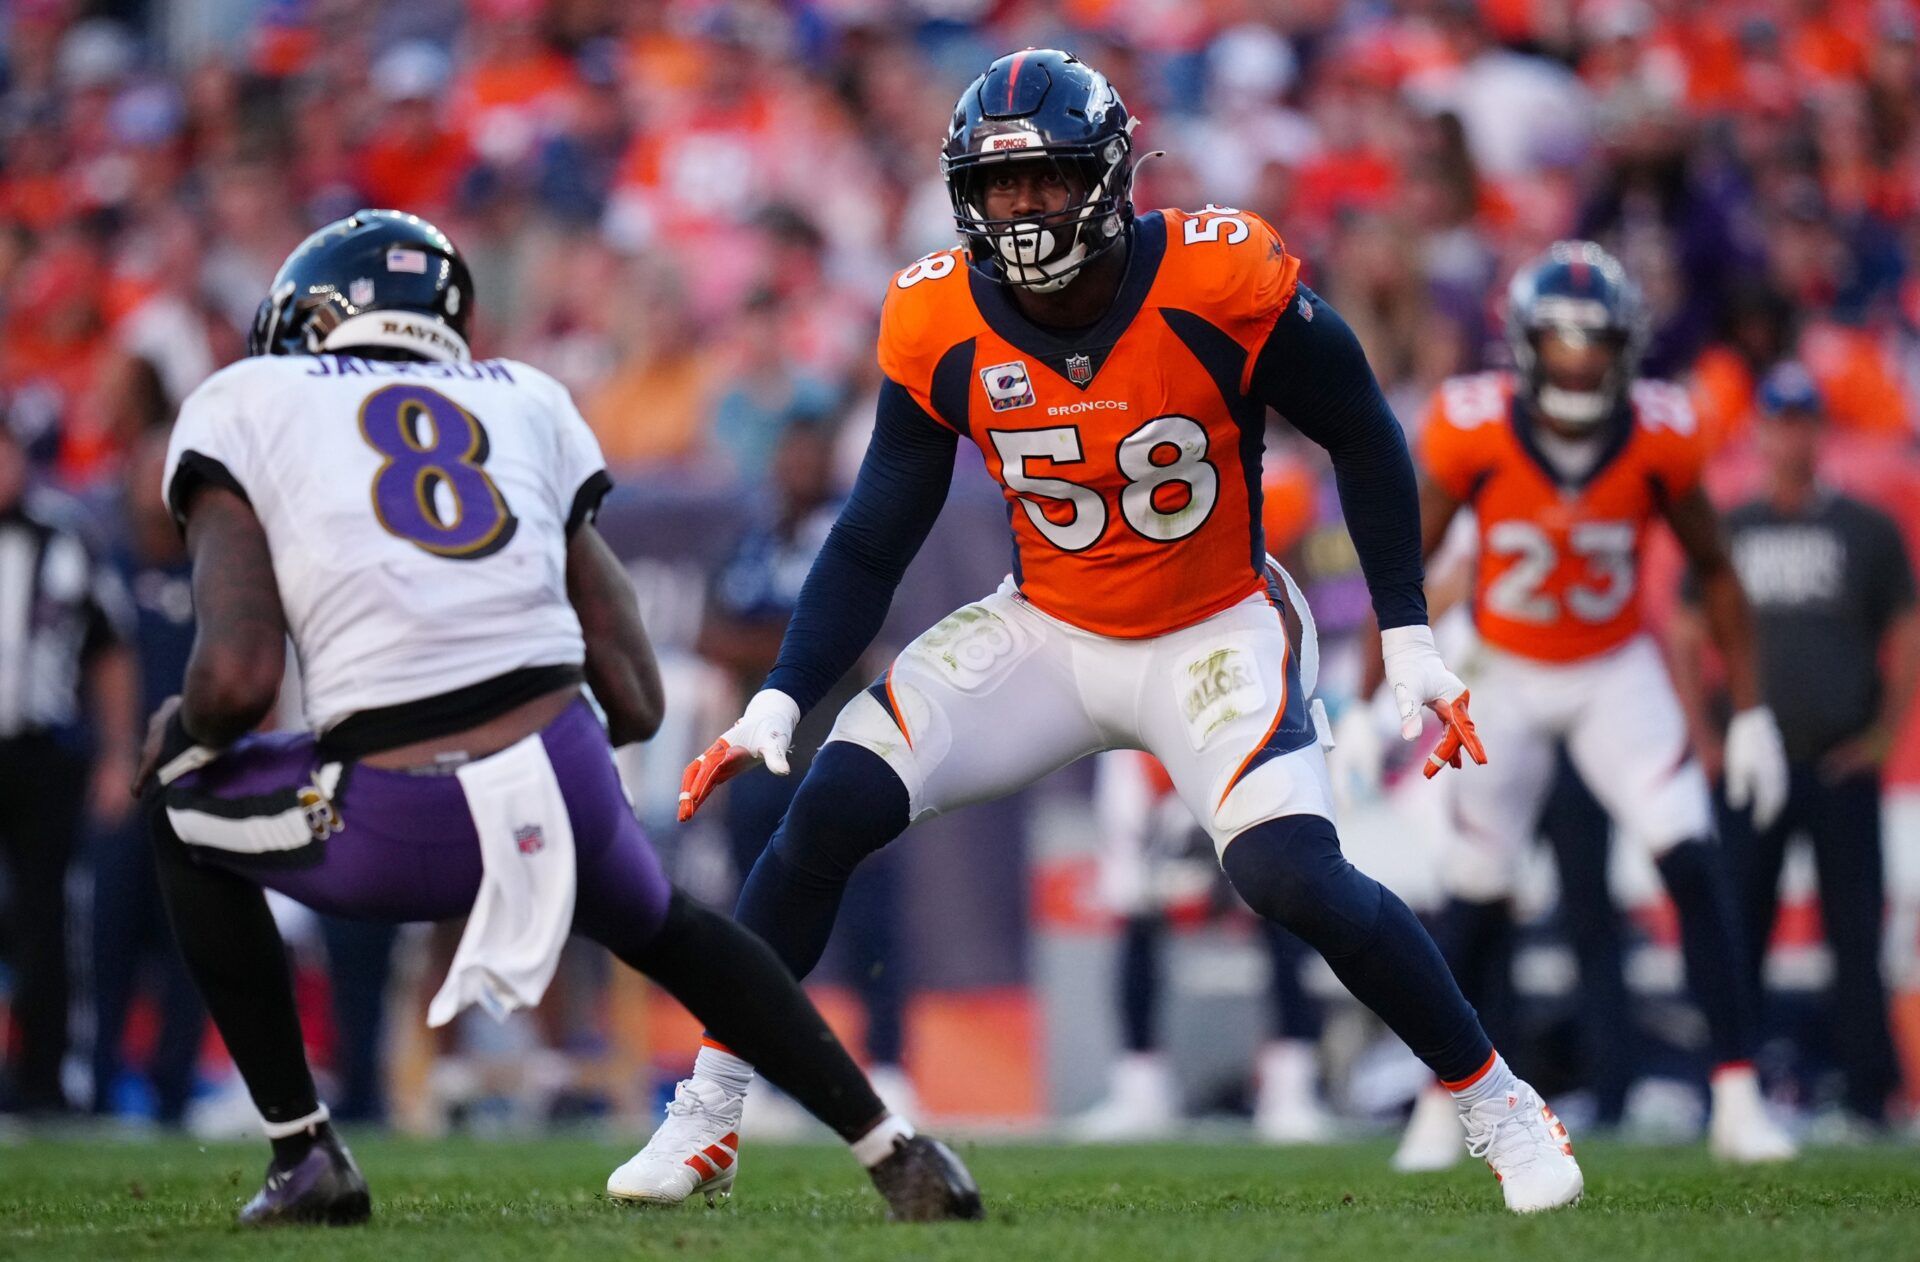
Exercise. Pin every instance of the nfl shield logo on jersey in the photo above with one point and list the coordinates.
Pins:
(1079, 369)
(530, 839)
(1008, 385)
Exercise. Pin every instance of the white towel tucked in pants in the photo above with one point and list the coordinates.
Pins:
(524, 909)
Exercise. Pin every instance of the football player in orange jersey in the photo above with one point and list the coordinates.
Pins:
(1566, 463)
(1116, 370)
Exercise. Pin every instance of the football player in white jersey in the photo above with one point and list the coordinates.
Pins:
(421, 524)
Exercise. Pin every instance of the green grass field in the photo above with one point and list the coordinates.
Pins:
(477, 1200)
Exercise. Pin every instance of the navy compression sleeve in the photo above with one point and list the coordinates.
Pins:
(1313, 371)
(900, 490)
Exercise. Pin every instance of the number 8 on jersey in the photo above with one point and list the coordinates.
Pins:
(431, 489)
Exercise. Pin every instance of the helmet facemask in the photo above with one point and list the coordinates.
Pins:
(1043, 252)
(1574, 361)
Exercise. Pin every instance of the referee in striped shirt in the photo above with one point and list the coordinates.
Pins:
(64, 631)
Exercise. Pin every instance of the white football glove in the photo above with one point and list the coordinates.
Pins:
(1418, 678)
(1756, 765)
(763, 734)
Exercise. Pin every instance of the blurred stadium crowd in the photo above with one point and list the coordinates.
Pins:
(687, 211)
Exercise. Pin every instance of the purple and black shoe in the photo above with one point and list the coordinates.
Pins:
(923, 1181)
(323, 1187)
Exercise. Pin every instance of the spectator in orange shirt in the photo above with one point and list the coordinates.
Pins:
(414, 161)
(655, 405)
(1353, 168)
(53, 353)
(1858, 378)
(1756, 333)
(1820, 45)
(1813, 263)
(513, 84)
(36, 189)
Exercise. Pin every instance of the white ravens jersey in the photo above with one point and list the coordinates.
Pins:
(417, 514)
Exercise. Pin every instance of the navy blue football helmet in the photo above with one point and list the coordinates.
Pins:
(1041, 105)
(1580, 293)
(379, 279)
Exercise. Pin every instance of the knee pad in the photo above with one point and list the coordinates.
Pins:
(850, 804)
(1291, 871)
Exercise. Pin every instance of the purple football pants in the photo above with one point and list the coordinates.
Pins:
(407, 849)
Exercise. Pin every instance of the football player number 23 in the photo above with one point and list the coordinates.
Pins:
(1170, 492)
(431, 488)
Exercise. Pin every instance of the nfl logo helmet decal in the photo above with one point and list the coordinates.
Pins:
(1008, 386)
(360, 292)
(1079, 369)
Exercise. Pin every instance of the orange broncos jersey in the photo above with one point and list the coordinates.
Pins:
(1558, 569)
(1129, 453)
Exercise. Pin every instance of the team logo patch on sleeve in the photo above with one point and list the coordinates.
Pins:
(1008, 386)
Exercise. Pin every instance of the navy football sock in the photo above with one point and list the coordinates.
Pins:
(849, 805)
(1290, 870)
(1711, 943)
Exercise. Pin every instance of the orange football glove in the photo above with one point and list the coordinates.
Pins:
(762, 734)
(1460, 734)
(720, 763)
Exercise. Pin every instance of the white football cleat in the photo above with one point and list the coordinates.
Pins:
(1740, 1130)
(1433, 1134)
(1287, 1109)
(1140, 1103)
(1527, 1149)
(697, 1149)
